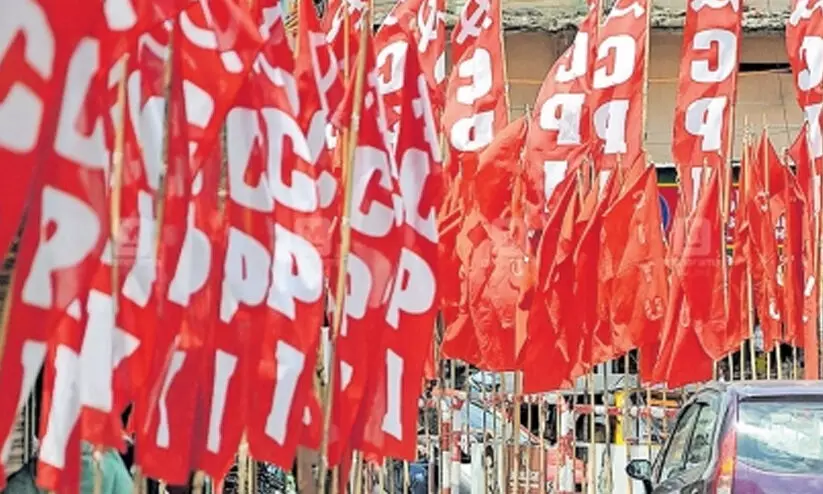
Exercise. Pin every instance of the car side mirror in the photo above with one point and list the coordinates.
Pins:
(639, 470)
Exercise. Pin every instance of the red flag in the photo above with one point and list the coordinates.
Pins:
(707, 86)
(694, 326)
(616, 102)
(560, 130)
(492, 261)
(765, 208)
(476, 111)
(391, 412)
(810, 182)
(542, 335)
(741, 321)
(804, 38)
(633, 257)
(371, 264)
(593, 331)
(293, 123)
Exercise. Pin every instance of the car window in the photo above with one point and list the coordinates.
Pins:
(700, 446)
(675, 454)
(781, 436)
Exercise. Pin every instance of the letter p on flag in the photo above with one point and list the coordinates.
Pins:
(704, 119)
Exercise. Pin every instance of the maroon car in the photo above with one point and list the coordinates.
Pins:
(760, 437)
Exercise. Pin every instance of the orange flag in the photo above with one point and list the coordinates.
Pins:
(694, 327)
(633, 265)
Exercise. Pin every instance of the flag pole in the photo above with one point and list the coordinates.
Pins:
(725, 211)
(114, 227)
(345, 248)
(5, 310)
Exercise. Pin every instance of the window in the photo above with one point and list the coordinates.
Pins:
(700, 447)
(675, 459)
(781, 436)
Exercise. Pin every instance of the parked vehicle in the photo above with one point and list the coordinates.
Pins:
(760, 437)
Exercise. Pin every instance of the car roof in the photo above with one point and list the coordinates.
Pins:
(750, 389)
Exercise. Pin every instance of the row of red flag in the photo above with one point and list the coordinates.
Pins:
(137, 282)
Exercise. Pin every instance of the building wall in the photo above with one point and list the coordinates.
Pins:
(675, 5)
(768, 95)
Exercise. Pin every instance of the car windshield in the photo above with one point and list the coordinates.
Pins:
(781, 436)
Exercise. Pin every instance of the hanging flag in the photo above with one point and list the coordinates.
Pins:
(63, 166)
(793, 269)
(707, 88)
(476, 108)
(618, 80)
(799, 153)
(542, 341)
(591, 337)
(765, 210)
(694, 326)
(136, 246)
(560, 131)
(371, 264)
(209, 38)
(293, 126)
(632, 262)
(412, 26)
(492, 260)
(390, 417)
(338, 14)
(741, 318)
(804, 40)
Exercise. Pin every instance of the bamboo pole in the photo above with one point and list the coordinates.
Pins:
(242, 468)
(429, 447)
(592, 444)
(626, 399)
(646, 57)
(558, 423)
(516, 432)
(345, 247)
(5, 312)
(485, 430)
(297, 9)
(114, 226)
(358, 472)
(541, 427)
(528, 401)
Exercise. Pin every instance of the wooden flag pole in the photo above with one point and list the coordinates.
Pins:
(117, 182)
(114, 227)
(296, 12)
(6, 309)
(345, 248)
